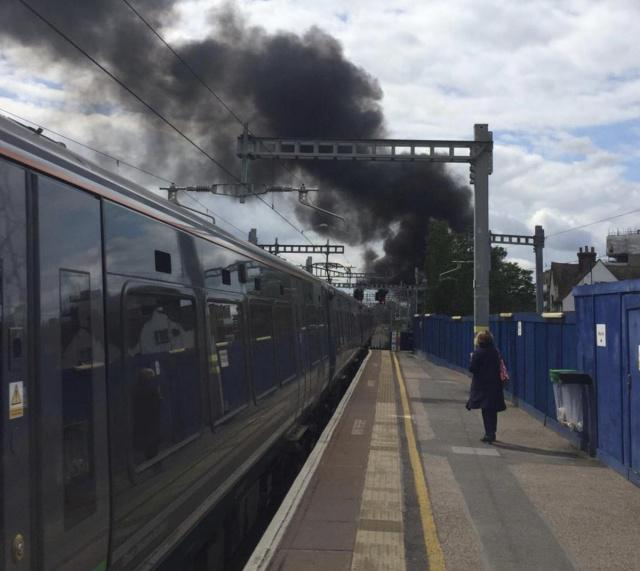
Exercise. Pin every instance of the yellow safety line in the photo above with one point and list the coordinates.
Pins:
(432, 543)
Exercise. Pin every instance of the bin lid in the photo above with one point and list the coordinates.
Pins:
(569, 376)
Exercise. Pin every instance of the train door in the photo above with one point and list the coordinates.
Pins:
(633, 390)
(71, 482)
(15, 373)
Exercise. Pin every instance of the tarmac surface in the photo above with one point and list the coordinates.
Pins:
(530, 501)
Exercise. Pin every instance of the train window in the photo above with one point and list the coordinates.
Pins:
(285, 341)
(164, 375)
(264, 367)
(312, 332)
(77, 396)
(242, 273)
(226, 325)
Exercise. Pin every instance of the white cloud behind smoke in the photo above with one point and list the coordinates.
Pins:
(558, 83)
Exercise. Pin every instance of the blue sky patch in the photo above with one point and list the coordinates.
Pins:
(620, 138)
(48, 83)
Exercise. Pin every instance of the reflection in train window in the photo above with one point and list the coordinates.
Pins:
(163, 369)
(285, 341)
(76, 344)
(225, 321)
(264, 367)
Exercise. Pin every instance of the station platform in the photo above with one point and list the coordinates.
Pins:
(401, 481)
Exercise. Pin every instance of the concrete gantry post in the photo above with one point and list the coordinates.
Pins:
(481, 169)
(538, 247)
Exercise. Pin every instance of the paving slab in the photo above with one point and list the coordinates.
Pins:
(531, 501)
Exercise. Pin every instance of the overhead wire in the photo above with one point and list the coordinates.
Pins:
(148, 106)
(128, 89)
(574, 228)
(285, 219)
(184, 62)
(81, 144)
(218, 216)
(122, 161)
(119, 160)
(200, 80)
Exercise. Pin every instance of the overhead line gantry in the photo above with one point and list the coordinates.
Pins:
(478, 153)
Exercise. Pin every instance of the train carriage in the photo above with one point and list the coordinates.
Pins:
(149, 361)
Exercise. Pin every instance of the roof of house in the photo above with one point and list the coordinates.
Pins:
(566, 276)
(624, 271)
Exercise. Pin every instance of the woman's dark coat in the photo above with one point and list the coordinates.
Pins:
(486, 386)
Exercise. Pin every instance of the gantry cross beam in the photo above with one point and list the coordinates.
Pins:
(302, 248)
(537, 241)
(325, 249)
(478, 153)
(412, 150)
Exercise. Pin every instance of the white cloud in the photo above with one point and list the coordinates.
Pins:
(534, 70)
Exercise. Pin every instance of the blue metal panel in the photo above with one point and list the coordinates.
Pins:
(631, 382)
(608, 377)
(529, 329)
(541, 378)
(554, 361)
(518, 371)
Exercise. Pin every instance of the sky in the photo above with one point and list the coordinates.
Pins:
(558, 82)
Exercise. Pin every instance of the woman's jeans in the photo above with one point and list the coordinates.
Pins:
(490, 419)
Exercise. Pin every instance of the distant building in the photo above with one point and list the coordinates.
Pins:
(561, 278)
(624, 247)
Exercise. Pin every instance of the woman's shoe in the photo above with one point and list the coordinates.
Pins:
(486, 438)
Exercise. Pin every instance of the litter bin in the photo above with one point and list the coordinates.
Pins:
(573, 392)
(406, 340)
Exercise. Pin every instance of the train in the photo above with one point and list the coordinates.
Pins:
(150, 360)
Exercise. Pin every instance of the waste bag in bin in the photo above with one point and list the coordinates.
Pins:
(568, 390)
(575, 405)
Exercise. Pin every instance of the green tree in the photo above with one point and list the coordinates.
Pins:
(511, 286)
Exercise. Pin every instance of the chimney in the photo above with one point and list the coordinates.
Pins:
(586, 259)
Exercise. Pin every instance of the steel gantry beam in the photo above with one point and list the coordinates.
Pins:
(302, 248)
(478, 153)
(411, 150)
(537, 241)
(325, 249)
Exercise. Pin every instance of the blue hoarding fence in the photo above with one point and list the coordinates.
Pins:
(608, 326)
(530, 344)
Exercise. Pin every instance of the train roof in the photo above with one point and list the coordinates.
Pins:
(22, 143)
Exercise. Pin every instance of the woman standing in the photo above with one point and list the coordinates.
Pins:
(486, 386)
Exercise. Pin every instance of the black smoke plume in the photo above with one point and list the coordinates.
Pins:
(284, 84)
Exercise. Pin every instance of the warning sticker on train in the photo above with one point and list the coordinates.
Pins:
(16, 400)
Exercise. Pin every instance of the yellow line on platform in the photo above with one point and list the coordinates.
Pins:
(435, 556)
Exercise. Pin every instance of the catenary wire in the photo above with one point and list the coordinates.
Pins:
(150, 107)
(285, 219)
(200, 80)
(128, 89)
(185, 63)
(593, 223)
(222, 102)
(93, 149)
(214, 94)
(208, 210)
